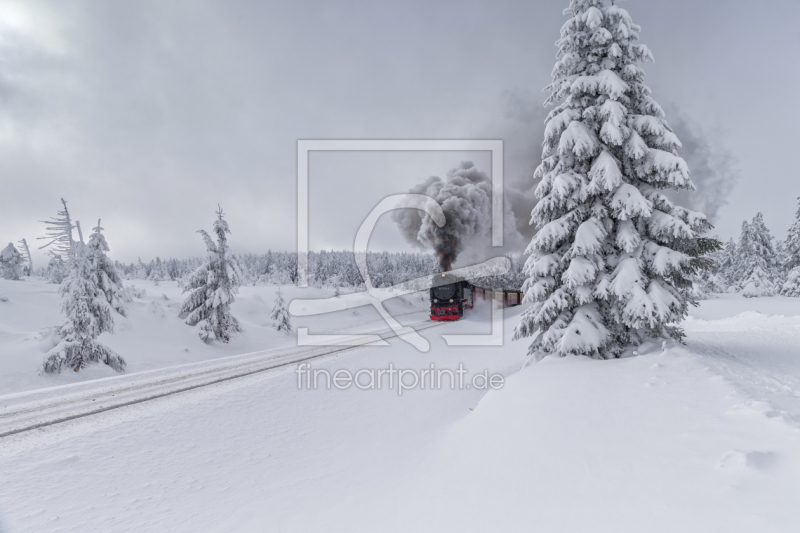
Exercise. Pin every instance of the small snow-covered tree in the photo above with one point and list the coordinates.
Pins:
(756, 250)
(158, 272)
(613, 259)
(726, 264)
(140, 272)
(213, 287)
(791, 286)
(56, 269)
(59, 234)
(793, 242)
(88, 314)
(26, 255)
(10, 263)
(280, 316)
(108, 281)
(758, 283)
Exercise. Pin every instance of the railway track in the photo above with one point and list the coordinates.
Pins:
(41, 408)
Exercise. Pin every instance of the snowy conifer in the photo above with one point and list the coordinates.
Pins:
(59, 233)
(107, 279)
(213, 287)
(791, 286)
(758, 283)
(280, 316)
(10, 263)
(56, 270)
(88, 314)
(140, 271)
(726, 264)
(756, 251)
(158, 272)
(793, 242)
(26, 255)
(612, 261)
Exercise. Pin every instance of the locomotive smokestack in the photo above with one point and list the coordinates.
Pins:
(446, 245)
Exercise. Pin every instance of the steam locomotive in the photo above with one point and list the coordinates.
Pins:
(450, 296)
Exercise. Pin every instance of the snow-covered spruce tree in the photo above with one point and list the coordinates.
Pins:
(26, 255)
(726, 264)
(793, 242)
(157, 273)
(280, 316)
(10, 263)
(141, 270)
(56, 270)
(108, 281)
(757, 283)
(756, 250)
(613, 259)
(88, 314)
(791, 286)
(212, 288)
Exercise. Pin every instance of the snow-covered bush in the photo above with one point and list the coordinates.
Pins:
(213, 287)
(10, 263)
(135, 292)
(88, 314)
(280, 316)
(613, 260)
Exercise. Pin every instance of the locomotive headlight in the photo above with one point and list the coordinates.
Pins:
(451, 300)
(435, 301)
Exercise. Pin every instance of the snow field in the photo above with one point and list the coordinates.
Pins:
(152, 336)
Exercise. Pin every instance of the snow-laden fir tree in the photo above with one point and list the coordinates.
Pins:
(280, 316)
(612, 261)
(108, 281)
(158, 272)
(141, 270)
(791, 287)
(793, 242)
(10, 263)
(88, 314)
(726, 264)
(756, 261)
(757, 283)
(56, 270)
(26, 255)
(213, 287)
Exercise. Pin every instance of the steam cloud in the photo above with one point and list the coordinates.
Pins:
(466, 199)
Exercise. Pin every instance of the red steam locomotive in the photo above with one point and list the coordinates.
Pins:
(451, 296)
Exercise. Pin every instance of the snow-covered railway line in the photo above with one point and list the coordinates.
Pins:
(46, 407)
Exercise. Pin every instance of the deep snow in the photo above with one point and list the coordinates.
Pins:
(702, 437)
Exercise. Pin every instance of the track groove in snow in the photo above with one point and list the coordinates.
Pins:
(41, 408)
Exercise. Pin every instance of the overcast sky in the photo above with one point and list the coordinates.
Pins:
(148, 113)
